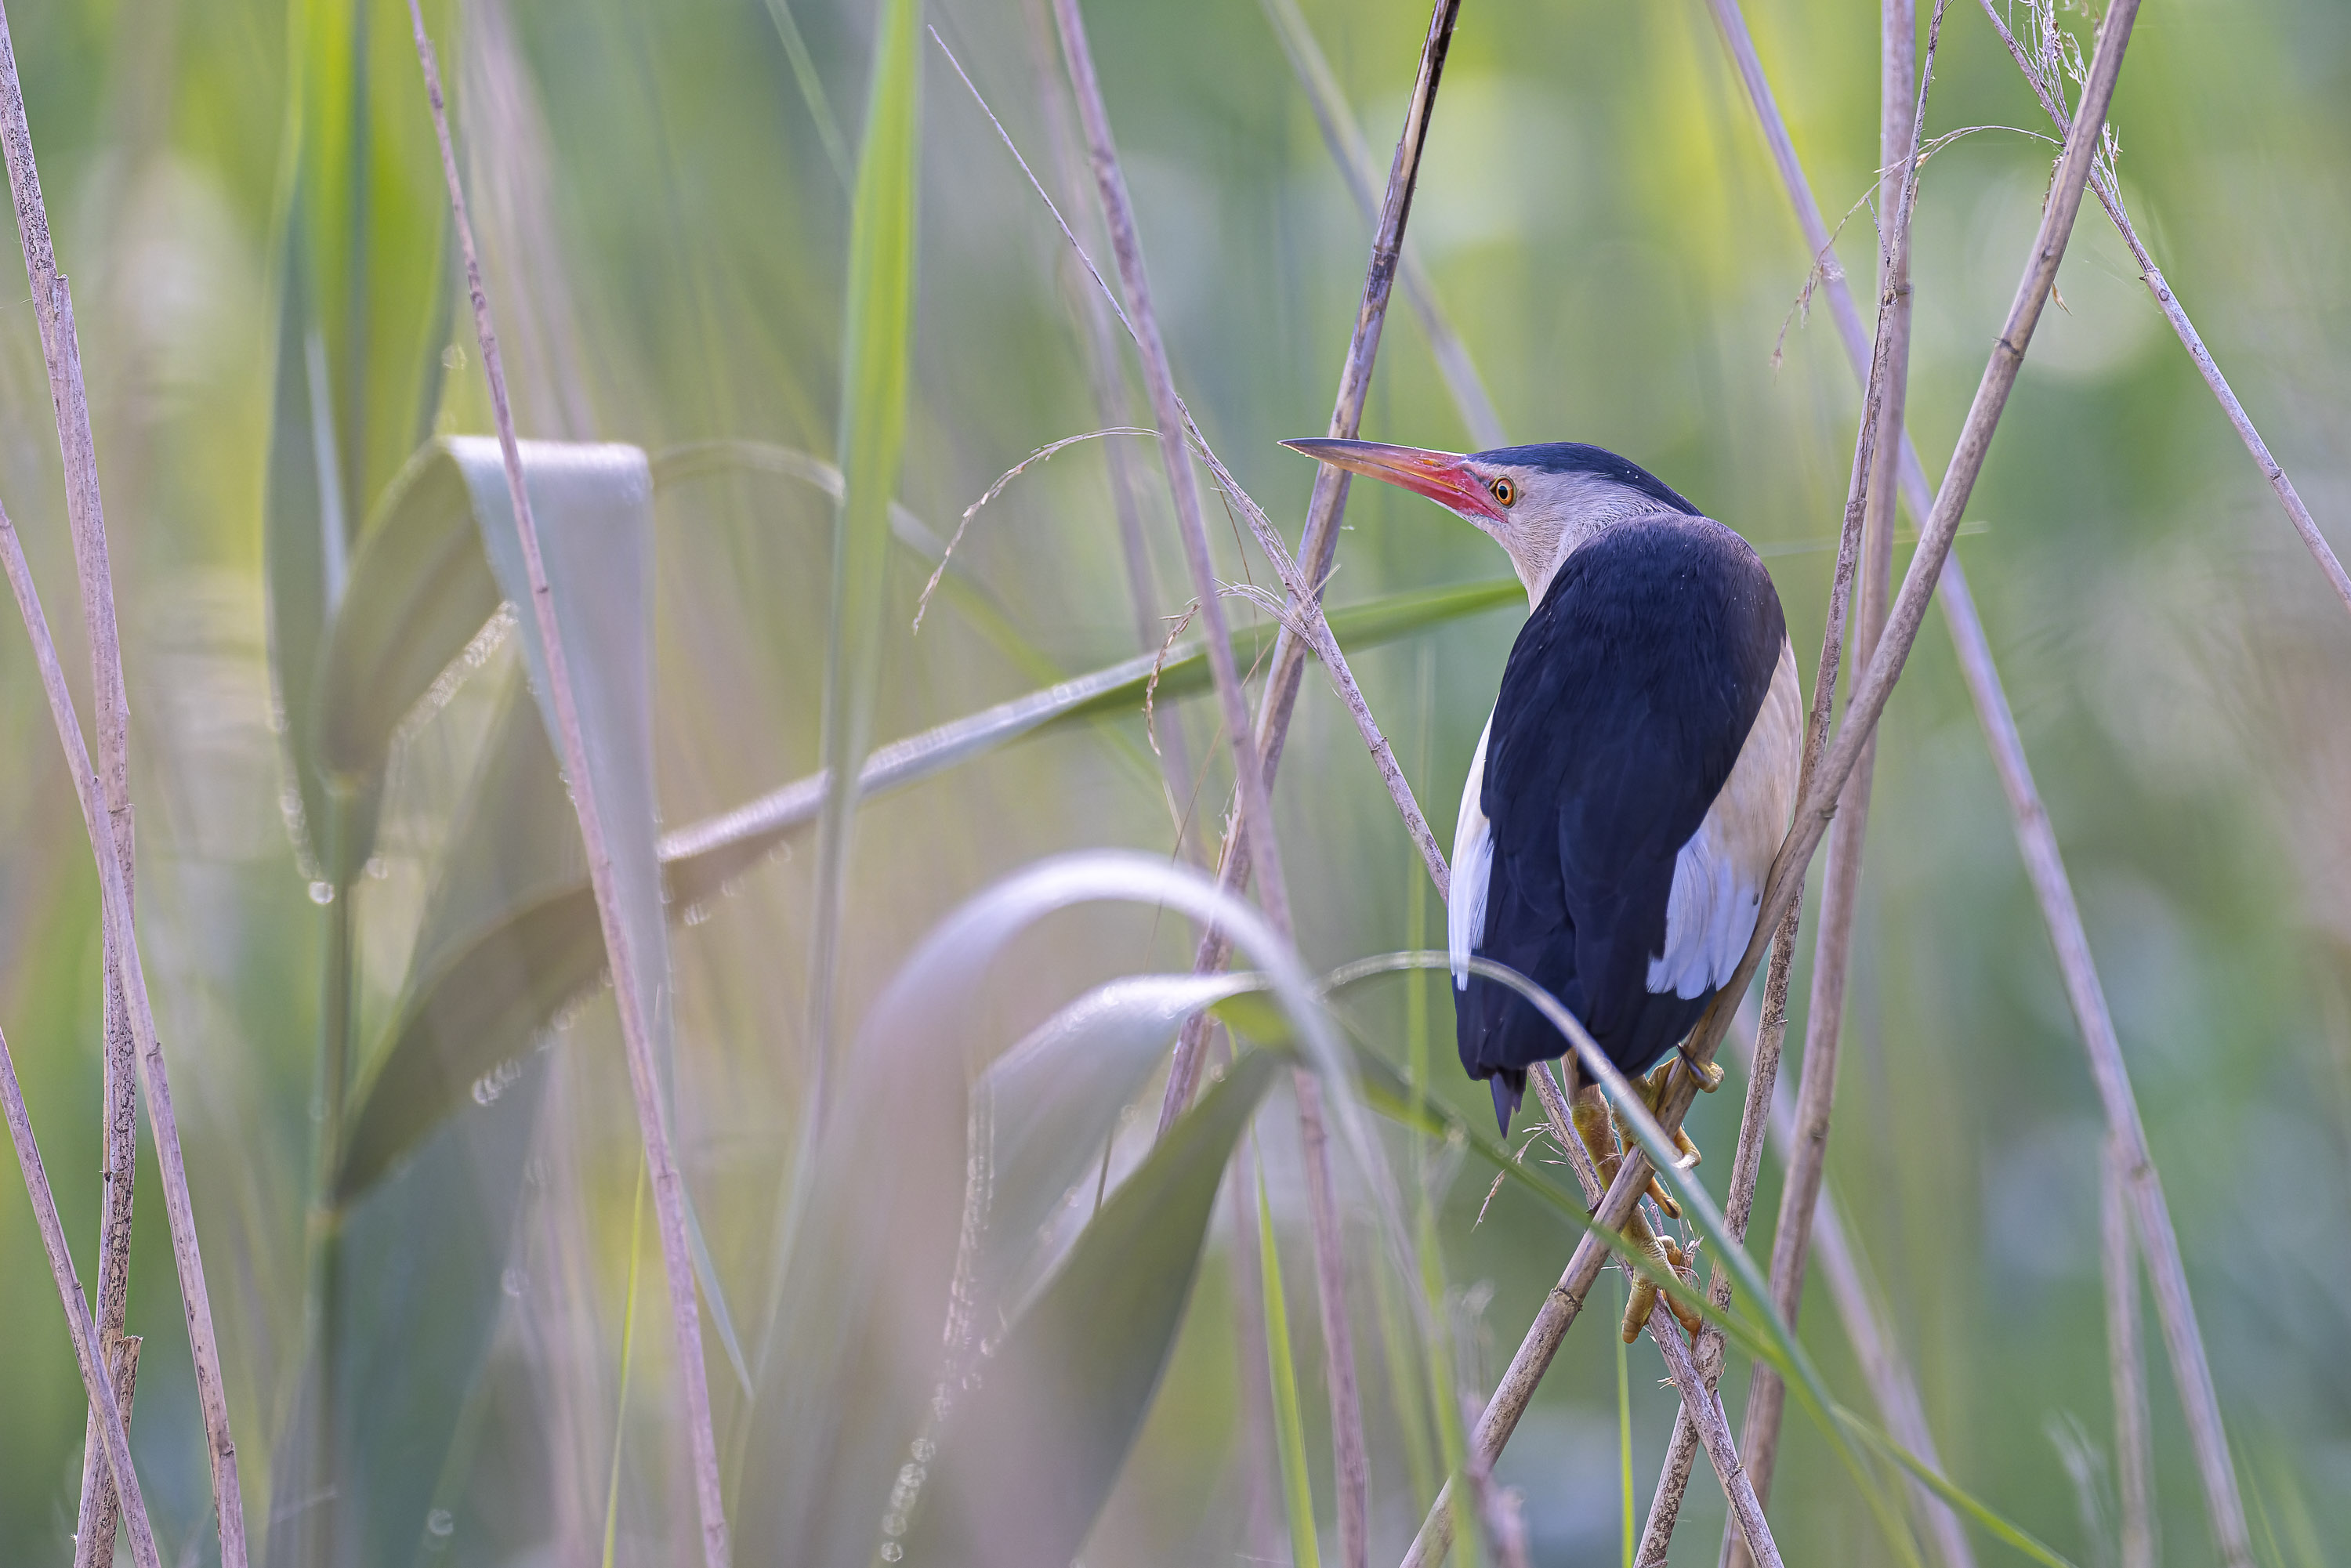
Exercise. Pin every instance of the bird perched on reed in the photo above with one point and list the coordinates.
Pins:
(1639, 769)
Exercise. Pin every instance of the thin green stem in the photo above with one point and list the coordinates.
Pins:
(628, 1364)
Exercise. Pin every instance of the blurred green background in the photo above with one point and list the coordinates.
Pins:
(665, 229)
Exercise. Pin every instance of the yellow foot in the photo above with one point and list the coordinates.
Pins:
(1645, 1293)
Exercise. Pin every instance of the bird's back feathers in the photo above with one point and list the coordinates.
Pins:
(1623, 709)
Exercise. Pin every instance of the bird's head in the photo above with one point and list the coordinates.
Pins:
(1539, 502)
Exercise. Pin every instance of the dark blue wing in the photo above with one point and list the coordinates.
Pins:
(1622, 709)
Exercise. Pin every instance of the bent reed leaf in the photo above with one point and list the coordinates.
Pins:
(1029, 1451)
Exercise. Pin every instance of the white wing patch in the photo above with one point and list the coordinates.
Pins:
(1473, 868)
(1719, 874)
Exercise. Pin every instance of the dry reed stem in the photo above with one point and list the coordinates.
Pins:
(61, 355)
(61, 351)
(1351, 1462)
(87, 1355)
(1183, 484)
(1099, 342)
(2038, 844)
(1319, 542)
(1565, 1301)
(1701, 1411)
(2126, 1365)
(668, 1182)
(1901, 130)
(2102, 186)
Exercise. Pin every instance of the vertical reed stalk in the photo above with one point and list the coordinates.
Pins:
(1319, 543)
(1902, 128)
(1256, 798)
(1872, 691)
(2126, 1365)
(669, 1189)
(129, 1041)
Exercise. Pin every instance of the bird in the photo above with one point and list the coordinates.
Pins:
(1639, 767)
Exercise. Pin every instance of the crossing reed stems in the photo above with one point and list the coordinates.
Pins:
(669, 1183)
(1351, 1462)
(1700, 1408)
(1319, 543)
(129, 1035)
(1902, 129)
(114, 1438)
(2036, 840)
(2102, 186)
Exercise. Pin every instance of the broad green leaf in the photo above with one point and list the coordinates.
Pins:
(471, 1004)
(421, 591)
(1043, 1114)
(593, 505)
(514, 846)
(876, 361)
(1027, 1455)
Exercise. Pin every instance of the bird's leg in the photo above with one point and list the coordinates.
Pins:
(1653, 1094)
(1594, 1127)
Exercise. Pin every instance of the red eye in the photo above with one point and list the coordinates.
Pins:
(1504, 491)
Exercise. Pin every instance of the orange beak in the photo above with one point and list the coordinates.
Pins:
(1444, 477)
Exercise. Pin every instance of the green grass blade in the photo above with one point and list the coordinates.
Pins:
(1991, 1524)
(1026, 1458)
(875, 372)
(811, 86)
(1288, 1427)
(1624, 1439)
(627, 1365)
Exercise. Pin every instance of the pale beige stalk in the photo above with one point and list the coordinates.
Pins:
(127, 1044)
(669, 1184)
(1319, 543)
(1902, 129)
(114, 1437)
(1351, 1463)
(2125, 1364)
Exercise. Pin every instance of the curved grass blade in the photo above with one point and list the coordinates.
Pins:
(1042, 1112)
(1027, 1457)
(869, 1243)
(876, 364)
(474, 999)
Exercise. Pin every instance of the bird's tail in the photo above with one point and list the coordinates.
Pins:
(1510, 1087)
